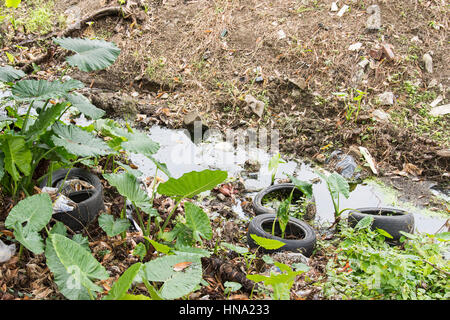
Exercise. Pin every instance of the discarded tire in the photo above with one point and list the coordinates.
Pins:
(390, 220)
(299, 236)
(89, 201)
(286, 188)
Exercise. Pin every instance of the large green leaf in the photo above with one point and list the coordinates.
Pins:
(192, 183)
(27, 90)
(91, 54)
(198, 221)
(269, 244)
(45, 120)
(29, 239)
(303, 186)
(120, 287)
(79, 142)
(111, 226)
(129, 187)
(12, 3)
(338, 184)
(177, 283)
(139, 142)
(36, 211)
(85, 106)
(74, 268)
(17, 155)
(29, 217)
(8, 74)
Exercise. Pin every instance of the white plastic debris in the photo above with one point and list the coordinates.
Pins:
(334, 7)
(343, 10)
(61, 203)
(355, 46)
(369, 159)
(281, 34)
(6, 252)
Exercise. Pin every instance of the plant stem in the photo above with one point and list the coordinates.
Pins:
(25, 122)
(170, 215)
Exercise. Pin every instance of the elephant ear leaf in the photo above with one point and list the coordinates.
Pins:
(28, 90)
(198, 221)
(91, 55)
(73, 267)
(192, 183)
(34, 213)
(9, 74)
(78, 142)
(111, 226)
(129, 187)
(17, 155)
(85, 106)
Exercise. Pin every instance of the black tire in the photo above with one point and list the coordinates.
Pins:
(304, 244)
(287, 187)
(390, 220)
(90, 201)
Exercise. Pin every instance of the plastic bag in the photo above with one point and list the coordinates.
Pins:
(61, 203)
(6, 252)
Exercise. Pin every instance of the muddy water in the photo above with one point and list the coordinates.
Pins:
(181, 155)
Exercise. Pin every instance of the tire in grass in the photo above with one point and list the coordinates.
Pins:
(89, 201)
(299, 236)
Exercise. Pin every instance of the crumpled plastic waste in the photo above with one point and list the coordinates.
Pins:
(345, 164)
(60, 202)
(6, 251)
(73, 185)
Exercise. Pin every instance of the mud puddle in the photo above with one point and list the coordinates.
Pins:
(181, 155)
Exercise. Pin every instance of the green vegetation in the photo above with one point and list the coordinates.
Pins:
(366, 267)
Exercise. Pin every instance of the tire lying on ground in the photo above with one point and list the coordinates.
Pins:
(89, 201)
(299, 236)
(285, 188)
(389, 219)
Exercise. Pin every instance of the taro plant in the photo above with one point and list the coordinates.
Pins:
(283, 211)
(189, 185)
(70, 260)
(336, 185)
(38, 134)
(282, 281)
(274, 163)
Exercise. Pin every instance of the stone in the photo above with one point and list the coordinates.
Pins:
(428, 60)
(380, 115)
(386, 98)
(298, 82)
(255, 105)
(440, 110)
(388, 51)
(190, 118)
(374, 21)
